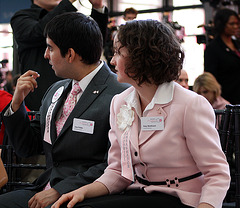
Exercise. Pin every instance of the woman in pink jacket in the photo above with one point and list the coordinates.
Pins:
(165, 150)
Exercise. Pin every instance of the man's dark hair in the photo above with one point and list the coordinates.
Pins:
(77, 31)
(221, 18)
(155, 55)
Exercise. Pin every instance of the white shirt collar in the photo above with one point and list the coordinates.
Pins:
(163, 95)
(83, 83)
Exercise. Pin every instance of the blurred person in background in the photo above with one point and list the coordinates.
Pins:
(222, 54)
(28, 26)
(5, 98)
(130, 14)
(207, 86)
(8, 85)
(183, 79)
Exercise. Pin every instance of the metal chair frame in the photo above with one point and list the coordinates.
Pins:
(13, 164)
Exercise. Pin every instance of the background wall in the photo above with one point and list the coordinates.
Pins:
(9, 7)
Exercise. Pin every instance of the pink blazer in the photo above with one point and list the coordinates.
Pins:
(188, 144)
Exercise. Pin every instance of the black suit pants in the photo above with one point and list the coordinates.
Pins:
(16, 199)
(133, 199)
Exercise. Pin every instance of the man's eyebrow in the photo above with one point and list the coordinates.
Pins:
(49, 46)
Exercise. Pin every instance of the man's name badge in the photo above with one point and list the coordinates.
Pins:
(152, 123)
(84, 126)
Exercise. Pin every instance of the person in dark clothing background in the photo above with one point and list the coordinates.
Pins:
(28, 25)
(222, 55)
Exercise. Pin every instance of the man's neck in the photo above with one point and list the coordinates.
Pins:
(86, 69)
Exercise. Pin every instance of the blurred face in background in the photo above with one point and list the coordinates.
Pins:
(130, 16)
(209, 95)
(232, 26)
(47, 4)
(183, 79)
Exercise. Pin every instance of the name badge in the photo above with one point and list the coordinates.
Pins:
(152, 123)
(84, 126)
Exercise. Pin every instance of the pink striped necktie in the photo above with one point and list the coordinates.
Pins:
(68, 106)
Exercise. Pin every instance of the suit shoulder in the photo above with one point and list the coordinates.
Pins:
(53, 88)
(124, 93)
(186, 96)
(113, 82)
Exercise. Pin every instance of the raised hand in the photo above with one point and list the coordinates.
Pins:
(26, 83)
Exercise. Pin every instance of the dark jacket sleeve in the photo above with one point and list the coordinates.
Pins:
(102, 20)
(28, 25)
(25, 136)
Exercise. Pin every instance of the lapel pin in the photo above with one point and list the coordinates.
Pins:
(95, 92)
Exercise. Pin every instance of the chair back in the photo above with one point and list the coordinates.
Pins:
(228, 126)
(237, 152)
(15, 165)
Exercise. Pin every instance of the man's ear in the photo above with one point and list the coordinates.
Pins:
(70, 55)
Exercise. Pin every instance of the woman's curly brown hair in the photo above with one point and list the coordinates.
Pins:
(155, 55)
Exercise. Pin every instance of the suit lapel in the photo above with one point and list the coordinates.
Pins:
(67, 87)
(94, 89)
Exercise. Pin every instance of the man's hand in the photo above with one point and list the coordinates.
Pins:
(96, 4)
(25, 84)
(43, 198)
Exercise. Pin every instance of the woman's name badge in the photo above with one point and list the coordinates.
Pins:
(57, 94)
(152, 123)
(84, 126)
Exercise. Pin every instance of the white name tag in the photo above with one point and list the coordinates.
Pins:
(152, 123)
(84, 126)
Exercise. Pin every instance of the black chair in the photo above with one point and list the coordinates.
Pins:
(14, 164)
(228, 126)
(236, 111)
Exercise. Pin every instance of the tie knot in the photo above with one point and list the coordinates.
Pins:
(76, 89)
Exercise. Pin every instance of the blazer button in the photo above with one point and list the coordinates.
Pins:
(136, 154)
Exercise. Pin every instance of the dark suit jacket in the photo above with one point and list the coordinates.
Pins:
(224, 64)
(28, 26)
(74, 159)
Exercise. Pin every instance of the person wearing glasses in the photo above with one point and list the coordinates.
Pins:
(222, 54)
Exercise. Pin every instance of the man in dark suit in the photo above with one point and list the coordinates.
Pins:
(77, 155)
(28, 25)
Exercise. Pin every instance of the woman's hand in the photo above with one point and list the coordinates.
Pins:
(89, 191)
(73, 197)
(205, 205)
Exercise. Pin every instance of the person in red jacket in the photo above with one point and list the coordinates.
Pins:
(5, 98)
